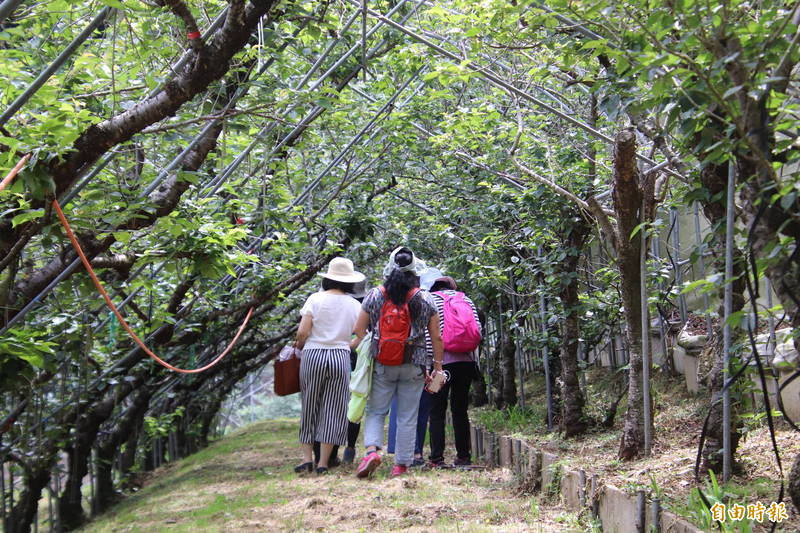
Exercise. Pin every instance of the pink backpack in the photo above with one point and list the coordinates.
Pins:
(461, 332)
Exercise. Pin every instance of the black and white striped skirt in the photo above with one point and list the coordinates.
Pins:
(325, 391)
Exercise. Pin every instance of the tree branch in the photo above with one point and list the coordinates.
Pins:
(182, 11)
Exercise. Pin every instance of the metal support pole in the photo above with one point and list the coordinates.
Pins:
(676, 245)
(772, 341)
(2, 490)
(702, 263)
(655, 250)
(328, 50)
(490, 364)
(517, 351)
(726, 330)
(11, 496)
(310, 117)
(353, 49)
(585, 360)
(645, 339)
(8, 7)
(655, 513)
(72, 193)
(641, 510)
(92, 490)
(57, 485)
(496, 80)
(50, 516)
(546, 359)
(54, 66)
(364, 38)
(387, 106)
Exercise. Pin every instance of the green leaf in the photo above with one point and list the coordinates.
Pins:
(736, 319)
(695, 285)
(732, 91)
(113, 3)
(35, 359)
(122, 236)
(191, 177)
(26, 216)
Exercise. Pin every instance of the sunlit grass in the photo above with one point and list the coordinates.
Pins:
(245, 482)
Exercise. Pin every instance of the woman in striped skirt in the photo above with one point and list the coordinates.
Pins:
(324, 336)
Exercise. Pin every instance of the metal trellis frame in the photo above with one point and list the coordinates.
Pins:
(730, 215)
(45, 74)
(498, 81)
(8, 7)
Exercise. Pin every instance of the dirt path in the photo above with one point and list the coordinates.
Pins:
(245, 483)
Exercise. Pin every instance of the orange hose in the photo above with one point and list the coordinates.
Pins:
(122, 321)
(14, 171)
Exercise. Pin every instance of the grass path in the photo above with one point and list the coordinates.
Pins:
(245, 482)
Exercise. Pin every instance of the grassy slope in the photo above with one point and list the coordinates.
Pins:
(678, 420)
(245, 482)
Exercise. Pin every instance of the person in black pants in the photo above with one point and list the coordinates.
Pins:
(462, 368)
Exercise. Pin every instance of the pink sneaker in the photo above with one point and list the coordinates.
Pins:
(399, 470)
(368, 465)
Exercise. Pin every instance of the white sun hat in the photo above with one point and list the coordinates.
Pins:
(417, 265)
(427, 279)
(341, 269)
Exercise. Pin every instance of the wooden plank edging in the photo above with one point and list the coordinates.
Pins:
(543, 471)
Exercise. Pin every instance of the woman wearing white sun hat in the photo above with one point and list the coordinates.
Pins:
(324, 336)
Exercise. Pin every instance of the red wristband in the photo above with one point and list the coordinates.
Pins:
(193, 35)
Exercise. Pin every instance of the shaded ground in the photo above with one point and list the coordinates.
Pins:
(669, 472)
(245, 482)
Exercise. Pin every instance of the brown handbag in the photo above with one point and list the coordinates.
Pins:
(287, 376)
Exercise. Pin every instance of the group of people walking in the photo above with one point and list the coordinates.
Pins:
(422, 351)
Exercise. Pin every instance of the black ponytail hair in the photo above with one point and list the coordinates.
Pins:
(328, 284)
(398, 283)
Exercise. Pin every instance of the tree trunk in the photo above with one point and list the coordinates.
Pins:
(495, 368)
(208, 417)
(497, 379)
(627, 195)
(573, 422)
(509, 371)
(479, 395)
(99, 405)
(80, 449)
(106, 494)
(23, 513)
(109, 446)
(70, 503)
(128, 456)
(794, 482)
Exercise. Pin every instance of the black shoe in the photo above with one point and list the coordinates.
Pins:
(334, 461)
(321, 470)
(348, 456)
(303, 468)
(436, 463)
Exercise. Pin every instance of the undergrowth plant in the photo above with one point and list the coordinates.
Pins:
(512, 419)
(701, 502)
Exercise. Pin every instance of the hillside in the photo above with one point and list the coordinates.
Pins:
(244, 482)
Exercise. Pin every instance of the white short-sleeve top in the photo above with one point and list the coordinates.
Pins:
(333, 317)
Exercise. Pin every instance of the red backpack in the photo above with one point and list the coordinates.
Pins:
(394, 327)
(460, 333)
